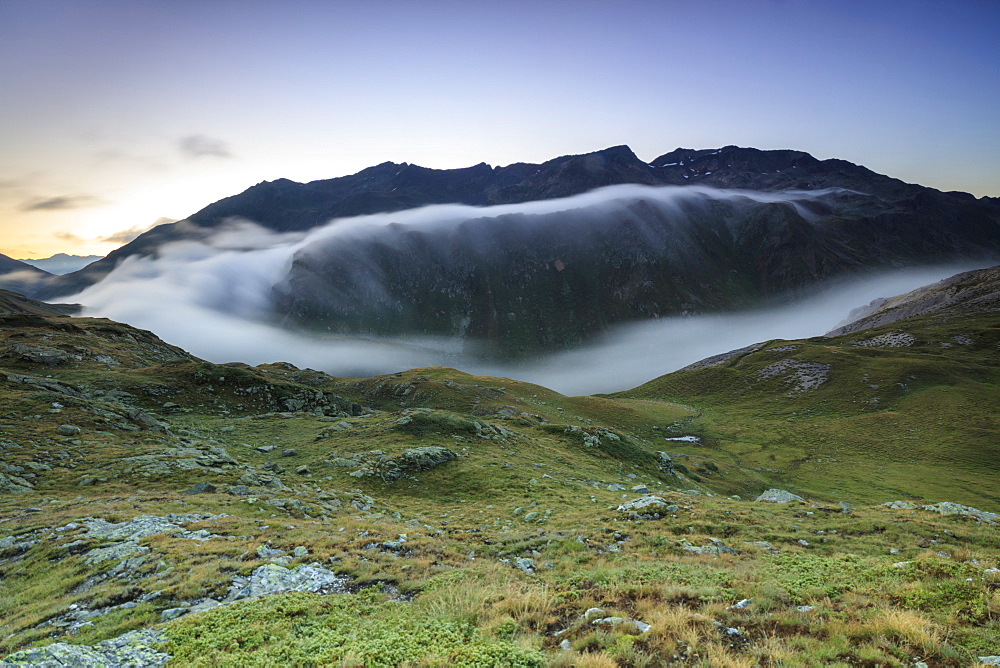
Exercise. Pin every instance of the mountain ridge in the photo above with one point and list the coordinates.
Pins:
(285, 205)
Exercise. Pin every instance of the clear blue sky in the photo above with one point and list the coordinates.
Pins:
(114, 114)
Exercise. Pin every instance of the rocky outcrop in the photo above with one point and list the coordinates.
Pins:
(646, 507)
(778, 496)
(136, 649)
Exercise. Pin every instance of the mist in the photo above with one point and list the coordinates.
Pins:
(213, 297)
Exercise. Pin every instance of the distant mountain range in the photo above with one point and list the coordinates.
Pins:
(61, 263)
(525, 280)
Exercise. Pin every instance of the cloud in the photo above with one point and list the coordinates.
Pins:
(203, 146)
(120, 237)
(61, 203)
(125, 236)
(213, 296)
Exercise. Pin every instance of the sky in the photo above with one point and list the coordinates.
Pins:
(117, 115)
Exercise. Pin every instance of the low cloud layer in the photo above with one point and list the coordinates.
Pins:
(212, 297)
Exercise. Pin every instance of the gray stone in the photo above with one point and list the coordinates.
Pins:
(778, 496)
(646, 507)
(201, 488)
(949, 508)
(68, 430)
(135, 649)
(593, 613)
(289, 452)
(268, 552)
(716, 548)
(275, 579)
(9, 486)
(990, 660)
(665, 462)
(525, 564)
(642, 627)
(899, 505)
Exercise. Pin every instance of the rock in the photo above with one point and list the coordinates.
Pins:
(414, 459)
(565, 646)
(646, 507)
(666, 464)
(201, 488)
(640, 489)
(68, 430)
(845, 507)
(274, 579)
(173, 613)
(990, 660)
(803, 542)
(742, 604)
(899, 505)
(12, 485)
(302, 470)
(289, 452)
(805, 608)
(716, 548)
(762, 544)
(949, 508)
(300, 551)
(593, 613)
(525, 564)
(268, 552)
(135, 649)
(778, 496)
(642, 627)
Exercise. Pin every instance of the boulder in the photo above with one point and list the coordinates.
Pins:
(646, 507)
(949, 508)
(779, 496)
(275, 579)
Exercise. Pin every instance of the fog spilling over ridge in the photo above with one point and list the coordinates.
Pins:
(231, 295)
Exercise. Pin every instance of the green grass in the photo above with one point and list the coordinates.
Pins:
(540, 477)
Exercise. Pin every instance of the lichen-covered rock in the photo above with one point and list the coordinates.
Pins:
(275, 579)
(646, 507)
(716, 548)
(135, 649)
(778, 496)
(899, 505)
(13, 485)
(414, 459)
(949, 508)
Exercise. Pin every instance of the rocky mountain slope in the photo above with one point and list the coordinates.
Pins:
(21, 277)
(158, 509)
(955, 297)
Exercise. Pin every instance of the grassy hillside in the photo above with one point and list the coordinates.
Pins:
(437, 518)
(908, 409)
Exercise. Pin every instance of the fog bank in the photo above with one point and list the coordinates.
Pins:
(213, 298)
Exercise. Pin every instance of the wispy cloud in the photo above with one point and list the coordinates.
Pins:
(203, 146)
(119, 237)
(61, 203)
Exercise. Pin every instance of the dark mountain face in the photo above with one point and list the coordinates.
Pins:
(526, 281)
(20, 276)
(520, 283)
